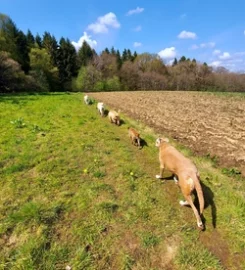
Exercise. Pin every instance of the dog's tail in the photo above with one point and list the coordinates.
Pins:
(199, 192)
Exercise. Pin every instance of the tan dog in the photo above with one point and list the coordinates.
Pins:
(114, 117)
(186, 171)
(134, 136)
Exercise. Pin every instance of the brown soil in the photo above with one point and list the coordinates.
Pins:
(207, 123)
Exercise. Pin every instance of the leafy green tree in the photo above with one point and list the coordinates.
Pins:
(88, 79)
(14, 41)
(43, 70)
(12, 77)
(113, 84)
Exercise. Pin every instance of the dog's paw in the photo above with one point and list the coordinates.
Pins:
(183, 203)
(159, 176)
(200, 226)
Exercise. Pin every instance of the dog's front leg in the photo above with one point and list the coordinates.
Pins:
(160, 176)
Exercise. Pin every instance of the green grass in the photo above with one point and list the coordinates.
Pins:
(74, 191)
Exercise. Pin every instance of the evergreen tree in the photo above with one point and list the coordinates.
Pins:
(50, 44)
(22, 51)
(30, 39)
(124, 55)
(134, 56)
(129, 55)
(175, 62)
(107, 51)
(182, 59)
(85, 54)
(119, 59)
(66, 60)
(38, 41)
(113, 52)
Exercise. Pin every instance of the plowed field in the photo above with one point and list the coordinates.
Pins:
(210, 124)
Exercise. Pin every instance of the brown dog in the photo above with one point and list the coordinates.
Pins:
(187, 173)
(134, 136)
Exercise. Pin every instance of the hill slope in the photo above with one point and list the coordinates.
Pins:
(75, 192)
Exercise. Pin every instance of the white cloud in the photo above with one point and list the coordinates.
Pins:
(194, 47)
(135, 11)
(137, 44)
(233, 62)
(187, 35)
(225, 56)
(170, 62)
(203, 46)
(239, 54)
(207, 45)
(92, 43)
(183, 16)
(138, 28)
(244, 32)
(168, 53)
(216, 52)
(103, 23)
(215, 64)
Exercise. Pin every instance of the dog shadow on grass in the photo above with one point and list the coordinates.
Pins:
(143, 143)
(106, 112)
(208, 202)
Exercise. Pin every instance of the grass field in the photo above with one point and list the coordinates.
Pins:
(75, 192)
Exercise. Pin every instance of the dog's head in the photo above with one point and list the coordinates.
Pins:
(161, 140)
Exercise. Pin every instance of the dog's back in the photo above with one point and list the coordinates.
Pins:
(175, 161)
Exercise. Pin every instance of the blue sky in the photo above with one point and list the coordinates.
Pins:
(208, 30)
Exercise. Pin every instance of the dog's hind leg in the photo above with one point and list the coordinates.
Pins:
(198, 218)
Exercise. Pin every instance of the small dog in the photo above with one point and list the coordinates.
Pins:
(185, 171)
(134, 136)
(114, 117)
(87, 100)
(101, 108)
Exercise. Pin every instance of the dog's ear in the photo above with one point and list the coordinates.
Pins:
(165, 140)
(158, 142)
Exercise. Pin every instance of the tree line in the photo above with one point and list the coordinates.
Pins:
(43, 64)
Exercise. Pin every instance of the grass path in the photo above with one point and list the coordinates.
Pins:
(75, 192)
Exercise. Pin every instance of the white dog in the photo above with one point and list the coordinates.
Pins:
(101, 108)
(87, 99)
